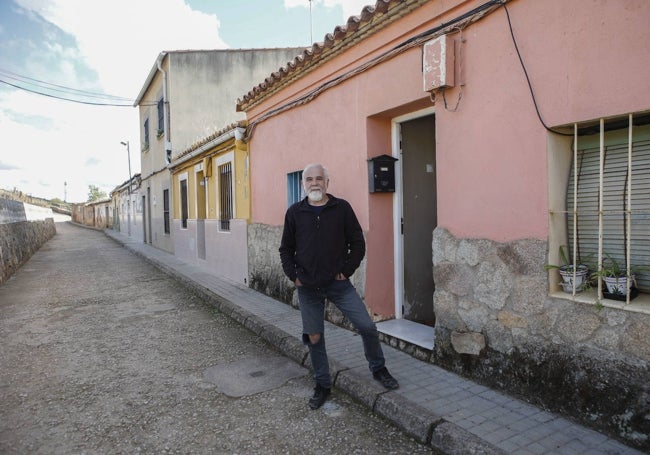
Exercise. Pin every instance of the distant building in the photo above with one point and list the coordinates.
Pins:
(211, 184)
(96, 214)
(125, 208)
(188, 96)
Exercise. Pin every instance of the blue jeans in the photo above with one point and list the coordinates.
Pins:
(312, 308)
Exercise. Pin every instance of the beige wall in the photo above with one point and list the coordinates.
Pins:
(204, 87)
(202, 91)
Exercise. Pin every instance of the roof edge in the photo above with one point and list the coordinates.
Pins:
(152, 74)
(368, 22)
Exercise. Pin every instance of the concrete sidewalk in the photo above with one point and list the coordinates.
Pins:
(437, 407)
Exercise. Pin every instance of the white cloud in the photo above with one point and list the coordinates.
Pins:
(120, 39)
(110, 46)
(105, 45)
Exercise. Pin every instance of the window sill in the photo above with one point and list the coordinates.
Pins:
(641, 304)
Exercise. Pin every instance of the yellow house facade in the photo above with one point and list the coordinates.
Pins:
(211, 203)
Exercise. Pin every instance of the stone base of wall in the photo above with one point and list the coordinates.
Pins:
(496, 324)
(265, 273)
(18, 241)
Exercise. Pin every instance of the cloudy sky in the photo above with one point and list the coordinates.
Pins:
(96, 55)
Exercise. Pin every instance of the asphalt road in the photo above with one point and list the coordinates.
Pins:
(104, 354)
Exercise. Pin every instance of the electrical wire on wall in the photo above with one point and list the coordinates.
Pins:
(530, 86)
(461, 21)
(460, 73)
(458, 23)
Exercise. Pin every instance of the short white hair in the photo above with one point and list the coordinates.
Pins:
(326, 173)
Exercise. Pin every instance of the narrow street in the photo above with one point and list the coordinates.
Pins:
(103, 354)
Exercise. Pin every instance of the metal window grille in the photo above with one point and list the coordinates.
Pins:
(184, 212)
(161, 115)
(225, 196)
(294, 187)
(609, 192)
(166, 211)
(146, 133)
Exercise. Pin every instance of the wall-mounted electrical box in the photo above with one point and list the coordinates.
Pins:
(438, 60)
(381, 174)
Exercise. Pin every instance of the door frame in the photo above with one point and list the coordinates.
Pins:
(398, 238)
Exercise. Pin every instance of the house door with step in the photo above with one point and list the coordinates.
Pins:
(418, 201)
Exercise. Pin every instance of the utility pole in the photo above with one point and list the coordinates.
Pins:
(128, 153)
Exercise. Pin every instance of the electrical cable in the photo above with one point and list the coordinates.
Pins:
(530, 86)
(60, 88)
(47, 86)
(460, 72)
(63, 98)
(468, 18)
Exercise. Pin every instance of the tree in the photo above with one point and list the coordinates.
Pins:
(95, 194)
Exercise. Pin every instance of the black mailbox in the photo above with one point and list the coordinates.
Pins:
(381, 174)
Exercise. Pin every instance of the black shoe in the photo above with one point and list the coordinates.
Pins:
(382, 375)
(320, 395)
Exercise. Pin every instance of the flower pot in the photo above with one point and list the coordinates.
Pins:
(617, 285)
(567, 278)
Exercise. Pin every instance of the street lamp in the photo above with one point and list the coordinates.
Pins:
(128, 152)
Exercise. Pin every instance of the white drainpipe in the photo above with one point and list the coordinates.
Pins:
(168, 144)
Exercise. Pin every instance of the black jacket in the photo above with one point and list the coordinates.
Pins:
(315, 248)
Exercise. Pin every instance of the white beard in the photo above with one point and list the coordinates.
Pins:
(315, 195)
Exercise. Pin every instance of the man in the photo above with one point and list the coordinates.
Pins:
(322, 245)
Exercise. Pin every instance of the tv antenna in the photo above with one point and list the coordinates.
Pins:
(311, 26)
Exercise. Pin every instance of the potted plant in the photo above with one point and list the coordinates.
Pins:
(615, 278)
(568, 271)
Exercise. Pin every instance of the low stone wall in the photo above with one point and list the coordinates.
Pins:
(12, 211)
(18, 241)
(264, 268)
(496, 324)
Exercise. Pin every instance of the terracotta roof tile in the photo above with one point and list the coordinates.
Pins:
(368, 21)
(207, 139)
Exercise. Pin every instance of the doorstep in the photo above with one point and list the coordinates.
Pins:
(411, 332)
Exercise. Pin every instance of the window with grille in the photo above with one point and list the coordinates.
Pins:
(225, 196)
(161, 117)
(294, 187)
(166, 225)
(145, 127)
(184, 211)
(608, 199)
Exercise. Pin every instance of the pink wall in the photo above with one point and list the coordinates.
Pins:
(585, 58)
(311, 133)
